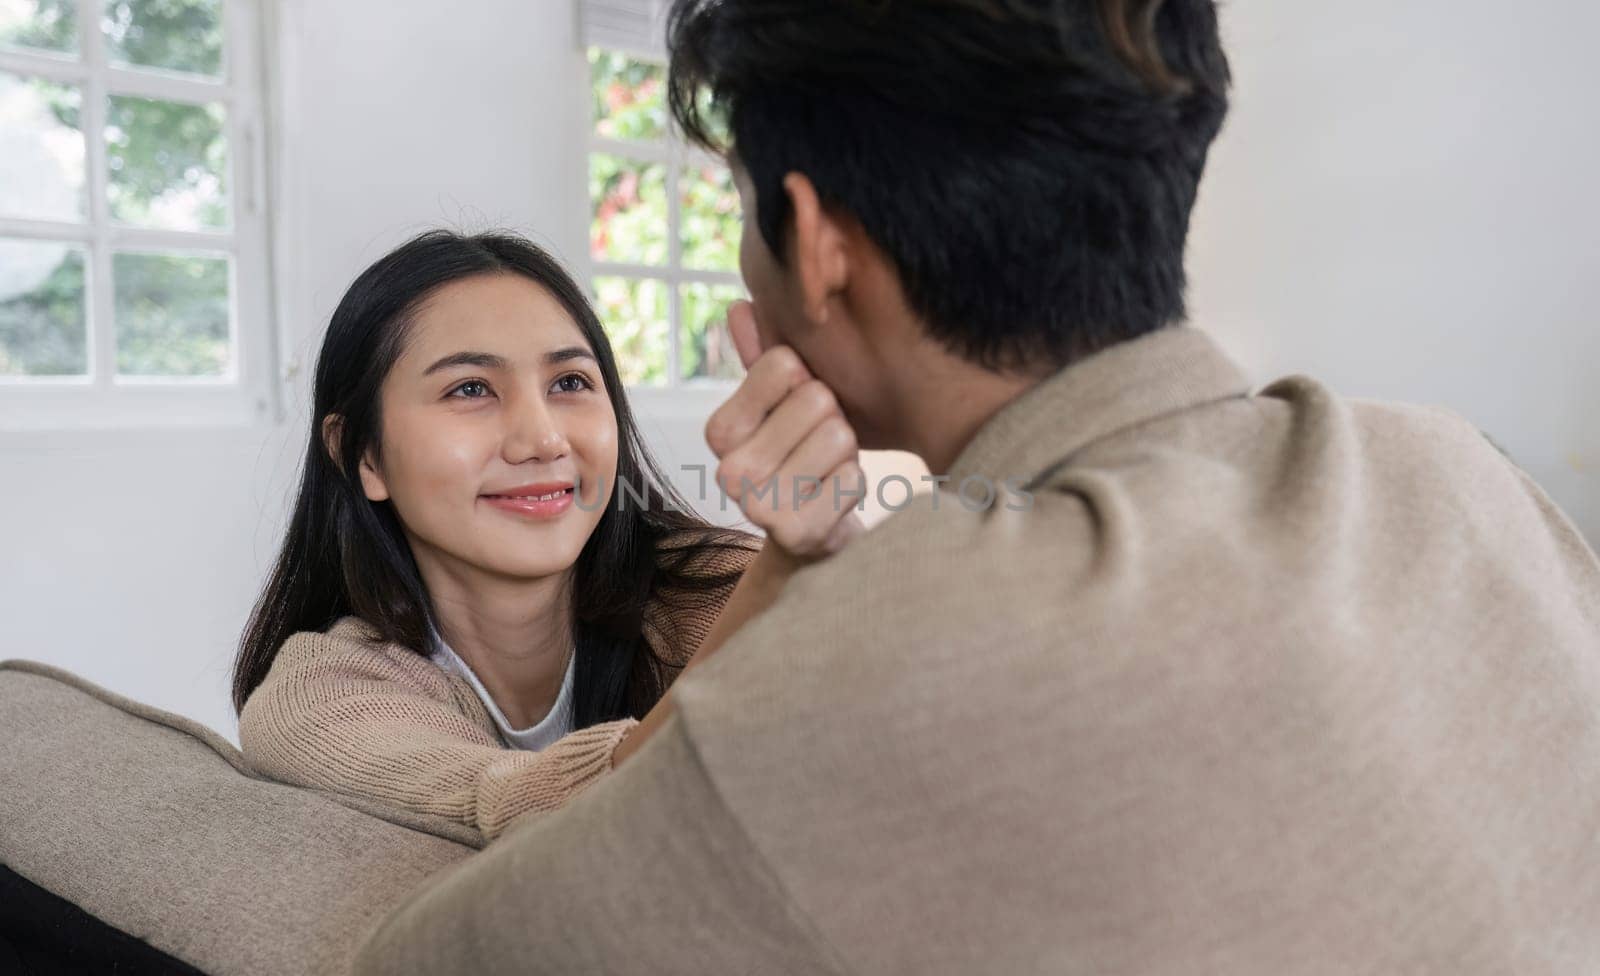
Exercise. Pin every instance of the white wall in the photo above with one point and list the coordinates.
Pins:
(1400, 204)
(1404, 204)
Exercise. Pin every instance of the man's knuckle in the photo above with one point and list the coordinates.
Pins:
(716, 431)
(787, 366)
(818, 398)
(841, 435)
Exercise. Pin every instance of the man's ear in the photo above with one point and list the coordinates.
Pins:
(820, 255)
(372, 483)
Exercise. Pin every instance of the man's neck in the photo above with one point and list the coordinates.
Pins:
(943, 400)
(516, 635)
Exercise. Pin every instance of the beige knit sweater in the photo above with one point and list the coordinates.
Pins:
(344, 711)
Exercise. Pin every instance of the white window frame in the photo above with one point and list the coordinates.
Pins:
(248, 394)
(677, 155)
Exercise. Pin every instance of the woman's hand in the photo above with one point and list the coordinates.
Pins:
(788, 455)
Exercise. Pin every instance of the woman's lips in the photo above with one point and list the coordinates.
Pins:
(539, 508)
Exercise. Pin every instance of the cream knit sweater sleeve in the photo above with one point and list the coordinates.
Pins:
(340, 712)
(343, 711)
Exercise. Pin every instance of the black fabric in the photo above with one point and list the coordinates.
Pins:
(42, 934)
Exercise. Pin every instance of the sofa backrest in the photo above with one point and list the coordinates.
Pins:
(155, 825)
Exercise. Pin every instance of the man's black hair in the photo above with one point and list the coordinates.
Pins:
(1029, 166)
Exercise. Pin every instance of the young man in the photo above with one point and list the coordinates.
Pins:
(1167, 677)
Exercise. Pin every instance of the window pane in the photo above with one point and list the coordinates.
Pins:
(707, 350)
(43, 312)
(41, 150)
(171, 314)
(168, 163)
(635, 316)
(629, 206)
(710, 218)
(629, 96)
(714, 118)
(178, 35)
(49, 25)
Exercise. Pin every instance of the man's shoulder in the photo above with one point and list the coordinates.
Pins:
(1415, 428)
(932, 589)
(942, 545)
(1419, 455)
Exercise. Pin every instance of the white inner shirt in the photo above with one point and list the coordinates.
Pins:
(556, 724)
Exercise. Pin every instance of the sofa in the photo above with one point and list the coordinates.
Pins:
(137, 841)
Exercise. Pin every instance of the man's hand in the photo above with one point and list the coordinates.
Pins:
(783, 441)
(780, 424)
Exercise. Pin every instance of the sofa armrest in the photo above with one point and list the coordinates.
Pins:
(155, 825)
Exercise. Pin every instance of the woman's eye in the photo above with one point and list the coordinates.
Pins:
(471, 385)
(581, 380)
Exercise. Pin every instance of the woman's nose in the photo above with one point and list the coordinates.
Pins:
(535, 434)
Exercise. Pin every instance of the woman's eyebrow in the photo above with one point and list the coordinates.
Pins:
(483, 360)
(488, 360)
(568, 353)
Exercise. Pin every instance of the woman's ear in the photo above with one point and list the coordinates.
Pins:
(821, 253)
(332, 424)
(372, 483)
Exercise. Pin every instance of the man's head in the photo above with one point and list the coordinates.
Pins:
(1021, 170)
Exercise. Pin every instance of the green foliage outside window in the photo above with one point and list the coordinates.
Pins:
(635, 315)
(166, 167)
(167, 164)
(172, 314)
(174, 35)
(629, 204)
(49, 25)
(630, 223)
(629, 96)
(43, 329)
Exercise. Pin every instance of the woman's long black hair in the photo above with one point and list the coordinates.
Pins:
(345, 554)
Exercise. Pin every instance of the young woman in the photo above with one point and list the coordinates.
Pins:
(486, 583)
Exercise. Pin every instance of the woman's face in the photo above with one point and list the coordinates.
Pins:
(496, 397)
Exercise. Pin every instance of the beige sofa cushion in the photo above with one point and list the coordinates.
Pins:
(155, 825)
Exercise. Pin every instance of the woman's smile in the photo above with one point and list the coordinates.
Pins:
(545, 501)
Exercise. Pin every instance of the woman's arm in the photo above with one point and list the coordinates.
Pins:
(378, 721)
(760, 585)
